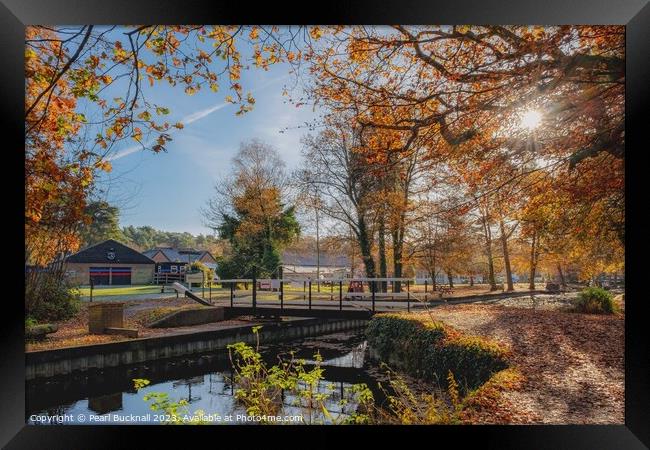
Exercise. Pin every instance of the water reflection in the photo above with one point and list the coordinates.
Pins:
(204, 382)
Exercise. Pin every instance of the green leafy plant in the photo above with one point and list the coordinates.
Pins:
(175, 412)
(595, 300)
(51, 299)
(406, 407)
(261, 389)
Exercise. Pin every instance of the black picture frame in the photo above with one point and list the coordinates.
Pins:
(635, 14)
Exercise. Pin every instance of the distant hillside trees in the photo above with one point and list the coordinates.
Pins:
(103, 223)
(146, 237)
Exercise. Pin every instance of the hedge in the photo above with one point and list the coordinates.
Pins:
(429, 350)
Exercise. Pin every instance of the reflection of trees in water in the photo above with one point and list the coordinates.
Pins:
(103, 404)
(292, 404)
(213, 389)
(354, 358)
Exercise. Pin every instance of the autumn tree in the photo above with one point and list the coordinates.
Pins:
(249, 210)
(470, 86)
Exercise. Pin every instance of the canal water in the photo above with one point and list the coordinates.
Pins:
(109, 397)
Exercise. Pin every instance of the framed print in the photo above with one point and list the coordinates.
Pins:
(410, 218)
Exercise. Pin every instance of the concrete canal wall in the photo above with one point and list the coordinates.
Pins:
(48, 363)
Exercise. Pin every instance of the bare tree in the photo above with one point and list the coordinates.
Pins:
(344, 184)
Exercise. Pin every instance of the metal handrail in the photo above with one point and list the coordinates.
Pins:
(313, 280)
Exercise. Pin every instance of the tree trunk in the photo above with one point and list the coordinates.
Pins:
(432, 274)
(471, 280)
(383, 265)
(450, 278)
(397, 257)
(533, 262)
(431, 259)
(317, 252)
(352, 246)
(488, 252)
(561, 274)
(506, 256)
(365, 245)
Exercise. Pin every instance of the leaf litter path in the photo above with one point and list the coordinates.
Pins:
(573, 363)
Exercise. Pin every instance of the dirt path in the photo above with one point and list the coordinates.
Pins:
(573, 364)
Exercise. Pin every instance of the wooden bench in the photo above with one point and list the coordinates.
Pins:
(445, 289)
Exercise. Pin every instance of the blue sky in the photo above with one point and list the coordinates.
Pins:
(167, 190)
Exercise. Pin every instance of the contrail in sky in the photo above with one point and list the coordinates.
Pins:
(190, 118)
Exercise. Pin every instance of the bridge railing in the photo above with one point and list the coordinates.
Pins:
(308, 290)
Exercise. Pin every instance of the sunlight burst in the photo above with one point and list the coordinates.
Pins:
(531, 119)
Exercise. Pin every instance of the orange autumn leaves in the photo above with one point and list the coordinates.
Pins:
(458, 91)
(54, 186)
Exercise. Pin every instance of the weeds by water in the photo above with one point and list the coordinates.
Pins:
(268, 392)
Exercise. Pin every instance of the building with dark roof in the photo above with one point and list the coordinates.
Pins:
(172, 263)
(109, 263)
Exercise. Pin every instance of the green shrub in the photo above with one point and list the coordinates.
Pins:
(433, 350)
(595, 300)
(391, 335)
(50, 299)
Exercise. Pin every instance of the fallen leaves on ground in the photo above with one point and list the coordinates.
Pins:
(572, 364)
(74, 332)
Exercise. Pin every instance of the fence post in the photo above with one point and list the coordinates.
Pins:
(373, 288)
(408, 295)
(281, 295)
(310, 294)
(210, 288)
(232, 293)
(340, 295)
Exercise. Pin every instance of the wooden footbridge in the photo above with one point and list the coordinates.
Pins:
(346, 297)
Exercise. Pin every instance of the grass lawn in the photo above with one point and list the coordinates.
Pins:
(120, 290)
